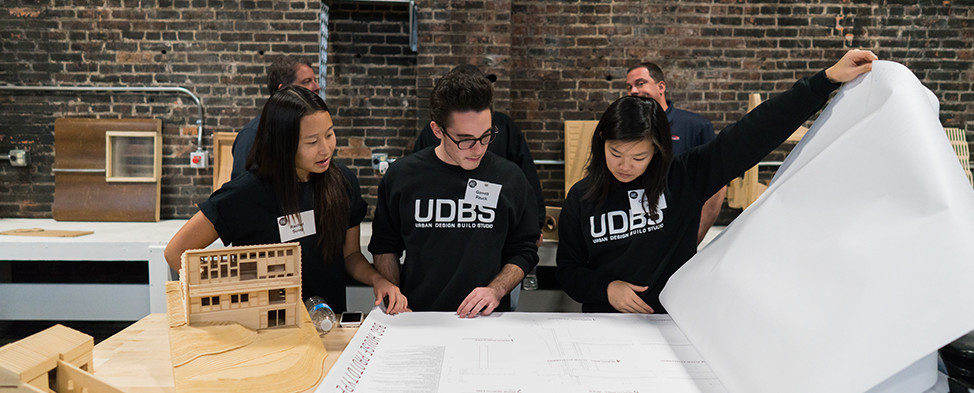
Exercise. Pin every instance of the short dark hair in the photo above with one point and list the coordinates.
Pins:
(631, 119)
(460, 90)
(654, 71)
(283, 72)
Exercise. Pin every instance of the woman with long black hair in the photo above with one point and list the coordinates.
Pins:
(291, 180)
(632, 221)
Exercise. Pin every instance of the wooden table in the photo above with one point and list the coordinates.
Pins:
(136, 359)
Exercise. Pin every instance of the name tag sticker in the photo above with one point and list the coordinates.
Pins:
(482, 193)
(637, 204)
(291, 228)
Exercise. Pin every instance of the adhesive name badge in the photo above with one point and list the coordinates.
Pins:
(482, 193)
(291, 228)
(637, 204)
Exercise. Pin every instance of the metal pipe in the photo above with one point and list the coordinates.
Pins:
(76, 170)
(549, 162)
(199, 104)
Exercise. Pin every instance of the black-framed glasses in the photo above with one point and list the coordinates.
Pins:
(465, 144)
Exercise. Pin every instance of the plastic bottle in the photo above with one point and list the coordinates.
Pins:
(322, 316)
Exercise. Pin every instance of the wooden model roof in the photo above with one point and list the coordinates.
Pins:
(27, 359)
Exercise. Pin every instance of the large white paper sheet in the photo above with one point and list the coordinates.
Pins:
(853, 265)
(519, 352)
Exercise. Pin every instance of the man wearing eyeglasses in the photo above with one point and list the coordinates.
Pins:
(509, 143)
(465, 217)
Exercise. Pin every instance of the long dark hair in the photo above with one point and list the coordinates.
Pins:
(272, 158)
(631, 119)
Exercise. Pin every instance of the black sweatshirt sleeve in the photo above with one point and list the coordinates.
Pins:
(520, 246)
(743, 144)
(581, 282)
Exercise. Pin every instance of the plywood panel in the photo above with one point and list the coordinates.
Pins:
(80, 190)
(578, 144)
(222, 157)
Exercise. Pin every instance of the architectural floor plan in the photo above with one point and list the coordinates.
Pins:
(520, 352)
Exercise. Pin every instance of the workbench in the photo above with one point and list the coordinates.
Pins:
(122, 242)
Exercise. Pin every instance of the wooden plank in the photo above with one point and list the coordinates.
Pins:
(222, 157)
(88, 197)
(40, 232)
(578, 145)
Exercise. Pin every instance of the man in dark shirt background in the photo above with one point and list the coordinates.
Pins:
(688, 129)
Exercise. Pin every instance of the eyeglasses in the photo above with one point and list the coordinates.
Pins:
(465, 144)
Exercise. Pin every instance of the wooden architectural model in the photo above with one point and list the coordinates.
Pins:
(237, 322)
(58, 359)
(256, 286)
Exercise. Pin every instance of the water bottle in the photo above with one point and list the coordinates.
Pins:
(530, 282)
(322, 316)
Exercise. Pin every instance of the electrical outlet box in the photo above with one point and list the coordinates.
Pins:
(197, 159)
(18, 157)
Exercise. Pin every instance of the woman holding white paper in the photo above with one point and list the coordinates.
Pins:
(293, 180)
(632, 221)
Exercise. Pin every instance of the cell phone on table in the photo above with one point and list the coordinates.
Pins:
(350, 319)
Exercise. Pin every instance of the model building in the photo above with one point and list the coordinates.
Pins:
(256, 286)
(220, 310)
(58, 359)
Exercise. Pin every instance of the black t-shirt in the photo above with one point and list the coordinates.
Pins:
(245, 212)
(453, 246)
(601, 243)
(510, 144)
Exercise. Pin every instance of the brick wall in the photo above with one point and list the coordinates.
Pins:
(371, 86)
(217, 49)
(555, 61)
